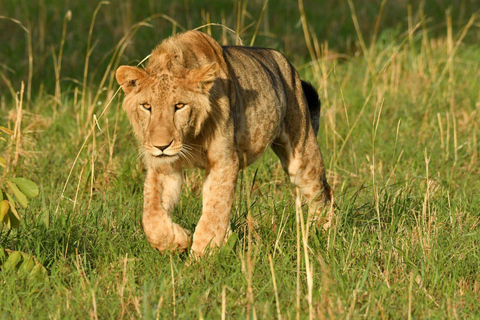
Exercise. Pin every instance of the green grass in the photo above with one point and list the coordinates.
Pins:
(399, 133)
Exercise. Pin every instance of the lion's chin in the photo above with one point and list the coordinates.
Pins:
(162, 160)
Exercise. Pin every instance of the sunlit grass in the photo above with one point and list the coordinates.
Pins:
(399, 133)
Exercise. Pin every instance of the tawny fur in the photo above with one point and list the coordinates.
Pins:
(198, 104)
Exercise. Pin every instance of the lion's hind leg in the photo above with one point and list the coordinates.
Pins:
(304, 165)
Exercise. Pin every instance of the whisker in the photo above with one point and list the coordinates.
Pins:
(194, 144)
(141, 154)
(194, 149)
(136, 153)
(184, 156)
(191, 153)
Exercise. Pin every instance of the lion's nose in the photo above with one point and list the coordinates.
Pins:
(162, 148)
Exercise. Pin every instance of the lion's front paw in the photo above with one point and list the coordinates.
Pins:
(173, 238)
(182, 238)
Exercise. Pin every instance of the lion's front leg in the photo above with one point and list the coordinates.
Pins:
(161, 194)
(218, 194)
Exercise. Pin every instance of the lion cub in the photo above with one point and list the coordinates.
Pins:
(199, 104)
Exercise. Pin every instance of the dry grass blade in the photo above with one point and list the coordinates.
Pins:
(17, 22)
(224, 303)
(446, 67)
(30, 54)
(258, 23)
(89, 52)
(174, 302)
(275, 290)
(298, 212)
(306, 34)
(8, 83)
(58, 61)
(17, 131)
(250, 258)
(239, 40)
(62, 195)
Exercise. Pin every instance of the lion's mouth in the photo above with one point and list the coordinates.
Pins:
(164, 156)
(168, 154)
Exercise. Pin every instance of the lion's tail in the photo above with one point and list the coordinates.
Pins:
(313, 104)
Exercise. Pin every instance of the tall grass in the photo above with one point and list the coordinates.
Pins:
(399, 133)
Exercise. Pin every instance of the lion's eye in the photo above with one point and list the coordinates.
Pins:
(179, 106)
(146, 106)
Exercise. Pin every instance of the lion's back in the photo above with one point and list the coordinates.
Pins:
(265, 91)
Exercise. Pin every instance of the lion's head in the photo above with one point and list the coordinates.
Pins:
(167, 106)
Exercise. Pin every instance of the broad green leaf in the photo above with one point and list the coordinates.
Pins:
(6, 221)
(23, 263)
(14, 217)
(38, 272)
(28, 187)
(1, 195)
(27, 264)
(10, 199)
(12, 261)
(4, 206)
(21, 198)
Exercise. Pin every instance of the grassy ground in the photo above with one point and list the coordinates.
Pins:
(399, 133)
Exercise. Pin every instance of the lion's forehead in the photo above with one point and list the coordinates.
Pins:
(164, 82)
(163, 86)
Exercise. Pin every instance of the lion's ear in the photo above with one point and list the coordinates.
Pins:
(128, 77)
(204, 76)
